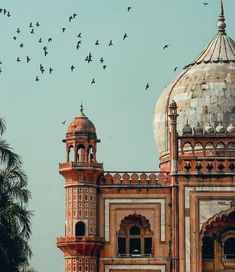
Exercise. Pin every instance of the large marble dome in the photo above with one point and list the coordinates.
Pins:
(204, 91)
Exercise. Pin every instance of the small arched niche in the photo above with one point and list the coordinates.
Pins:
(198, 149)
(134, 230)
(187, 149)
(231, 149)
(70, 153)
(209, 150)
(80, 229)
(91, 154)
(220, 149)
(81, 153)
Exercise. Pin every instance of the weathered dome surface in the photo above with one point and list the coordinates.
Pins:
(81, 124)
(204, 91)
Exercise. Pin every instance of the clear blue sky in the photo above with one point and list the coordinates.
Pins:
(118, 104)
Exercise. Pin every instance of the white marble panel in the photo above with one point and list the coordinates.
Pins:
(132, 267)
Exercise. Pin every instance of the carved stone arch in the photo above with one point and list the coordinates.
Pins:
(214, 235)
(136, 219)
(219, 221)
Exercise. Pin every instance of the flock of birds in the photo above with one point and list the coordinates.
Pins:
(33, 30)
(88, 58)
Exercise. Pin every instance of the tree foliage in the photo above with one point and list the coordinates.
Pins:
(14, 215)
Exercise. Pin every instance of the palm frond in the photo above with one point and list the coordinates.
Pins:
(2, 126)
(7, 156)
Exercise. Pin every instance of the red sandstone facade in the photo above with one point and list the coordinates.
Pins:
(181, 218)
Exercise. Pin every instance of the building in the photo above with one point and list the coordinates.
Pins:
(181, 218)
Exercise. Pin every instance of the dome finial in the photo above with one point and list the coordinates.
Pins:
(221, 21)
(81, 111)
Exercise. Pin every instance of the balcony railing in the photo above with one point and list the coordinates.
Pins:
(80, 165)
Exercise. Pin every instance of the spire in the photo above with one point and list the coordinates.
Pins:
(81, 111)
(221, 21)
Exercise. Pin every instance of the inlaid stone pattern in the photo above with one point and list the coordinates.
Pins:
(80, 265)
(81, 206)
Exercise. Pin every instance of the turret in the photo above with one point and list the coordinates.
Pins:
(81, 243)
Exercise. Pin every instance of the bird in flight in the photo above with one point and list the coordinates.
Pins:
(42, 69)
(63, 122)
(32, 31)
(37, 78)
(75, 15)
(147, 86)
(102, 60)
(28, 59)
(129, 8)
(31, 24)
(50, 70)
(165, 46)
(97, 42)
(104, 67)
(72, 68)
(88, 58)
(79, 35)
(205, 3)
(0, 70)
(40, 40)
(175, 69)
(111, 43)
(18, 59)
(45, 51)
(21, 45)
(37, 24)
(14, 37)
(50, 40)
(70, 18)
(78, 45)
(93, 81)
(125, 36)
(18, 30)
(63, 29)
(8, 14)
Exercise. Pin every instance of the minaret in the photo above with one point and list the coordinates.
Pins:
(81, 244)
(173, 115)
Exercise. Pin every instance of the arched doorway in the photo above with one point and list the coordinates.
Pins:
(218, 242)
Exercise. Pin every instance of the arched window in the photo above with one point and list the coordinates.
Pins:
(187, 149)
(70, 156)
(80, 229)
(91, 156)
(231, 149)
(134, 237)
(198, 149)
(134, 230)
(207, 248)
(209, 150)
(229, 248)
(220, 149)
(81, 153)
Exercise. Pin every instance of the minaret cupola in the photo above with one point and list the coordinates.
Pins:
(81, 140)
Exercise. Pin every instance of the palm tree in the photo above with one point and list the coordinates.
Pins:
(7, 156)
(14, 216)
